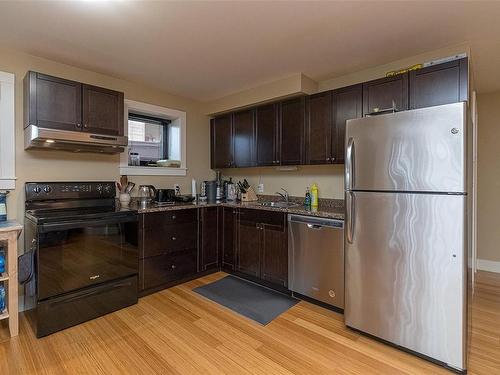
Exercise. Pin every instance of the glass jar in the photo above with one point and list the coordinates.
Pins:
(134, 159)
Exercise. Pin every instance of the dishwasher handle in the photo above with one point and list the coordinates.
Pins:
(314, 226)
(316, 222)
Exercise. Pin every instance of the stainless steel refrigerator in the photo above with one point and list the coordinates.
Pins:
(406, 230)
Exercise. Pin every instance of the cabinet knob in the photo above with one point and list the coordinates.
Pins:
(174, 217)
(86, 126)
(277, 161)
(173, 267)
(327, 159)
(333, 159)
(78, 125)
(173, 238)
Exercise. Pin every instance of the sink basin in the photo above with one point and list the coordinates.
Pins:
(279, 204)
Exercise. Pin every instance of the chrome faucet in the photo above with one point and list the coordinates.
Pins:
(284, 196)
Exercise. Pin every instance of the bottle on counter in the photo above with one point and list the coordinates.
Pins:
(314, 195)
(307, 199)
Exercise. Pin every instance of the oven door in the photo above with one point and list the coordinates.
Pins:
(78, 254)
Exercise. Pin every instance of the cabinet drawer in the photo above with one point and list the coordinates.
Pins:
(156, 220)
(170, 239)
(163, 269)
(262, 216)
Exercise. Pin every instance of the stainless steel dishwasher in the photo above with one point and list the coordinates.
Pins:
(316, 258)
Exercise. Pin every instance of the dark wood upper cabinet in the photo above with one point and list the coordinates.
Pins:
(319, 128)
(244, 138)
(292, 127)
(222, 141)
(439, 84)
(102, 110)
(266, 129)
(347, 104)
(228, 237)
(209, 256)
(51, 102)
(381, 94)
(56, 103)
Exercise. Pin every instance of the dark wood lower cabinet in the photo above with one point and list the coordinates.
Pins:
(182, 244)
(209, 249)
(263, 251)
(228, 237)
(248, 255)
(167, 268)
(274, 254)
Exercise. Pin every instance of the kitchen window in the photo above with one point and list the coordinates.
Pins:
(148, 140)
(156, 141)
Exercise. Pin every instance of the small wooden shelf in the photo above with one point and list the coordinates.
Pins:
(4, 276)
(4, 314)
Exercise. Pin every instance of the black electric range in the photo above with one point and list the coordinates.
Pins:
(85, 251)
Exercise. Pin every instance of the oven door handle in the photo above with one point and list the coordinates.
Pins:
(44, 228)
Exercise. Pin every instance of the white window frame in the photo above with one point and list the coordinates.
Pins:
(177, 118)
(7, 132)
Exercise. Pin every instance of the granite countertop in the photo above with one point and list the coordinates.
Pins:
(328, 208)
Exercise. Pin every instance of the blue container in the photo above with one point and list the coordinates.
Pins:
(2, 262)
(3, 206)
(2, 298)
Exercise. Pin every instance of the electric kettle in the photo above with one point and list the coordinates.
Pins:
(146, 193)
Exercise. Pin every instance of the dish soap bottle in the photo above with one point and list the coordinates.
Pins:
(307, 200)
(314, 195)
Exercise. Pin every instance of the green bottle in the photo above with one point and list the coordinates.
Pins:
(307, 200)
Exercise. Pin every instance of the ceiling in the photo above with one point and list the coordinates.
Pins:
(206, 50)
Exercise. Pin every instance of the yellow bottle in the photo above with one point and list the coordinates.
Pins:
(314, 195)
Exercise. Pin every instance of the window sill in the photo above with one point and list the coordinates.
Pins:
(7, 183)
(152, 171)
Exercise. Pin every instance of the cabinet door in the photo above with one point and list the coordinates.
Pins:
(102, 111)
(292, 127)
(347, 104)
(229, 236)
(439, 84)
(275, 253)
(221, 142)
(248, 253)
(266, 130)
(382, 93)
(244, 138)
(52, 102)
(209, 257)
(319, 128)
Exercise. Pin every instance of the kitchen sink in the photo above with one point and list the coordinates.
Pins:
(278, 204)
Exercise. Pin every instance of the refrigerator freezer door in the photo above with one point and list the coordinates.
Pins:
(406, 270)
(418, 150)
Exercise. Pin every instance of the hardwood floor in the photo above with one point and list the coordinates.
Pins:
(177, 331)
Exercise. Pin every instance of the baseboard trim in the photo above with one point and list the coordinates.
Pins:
(488, 265)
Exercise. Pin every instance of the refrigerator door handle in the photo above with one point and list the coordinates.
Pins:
(349, 164)
(351, 210)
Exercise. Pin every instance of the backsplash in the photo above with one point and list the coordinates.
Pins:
(329, 178)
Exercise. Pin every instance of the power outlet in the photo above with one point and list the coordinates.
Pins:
(177, 189)
(260, 189)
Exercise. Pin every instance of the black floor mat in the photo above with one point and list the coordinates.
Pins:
(246, 298)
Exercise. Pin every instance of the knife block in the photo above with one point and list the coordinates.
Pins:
(249, 196)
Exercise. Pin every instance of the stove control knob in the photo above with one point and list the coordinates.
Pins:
(107, 189)
(47, 189)
(37, 190)
(99, 189)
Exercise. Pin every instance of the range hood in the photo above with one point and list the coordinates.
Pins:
(76, 141)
